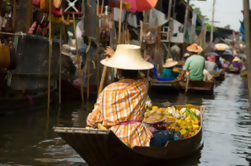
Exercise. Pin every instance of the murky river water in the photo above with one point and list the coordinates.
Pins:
(28, 138)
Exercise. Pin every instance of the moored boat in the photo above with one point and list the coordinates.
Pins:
(199, 86)
(26, 103)
(72, 92)
(103, 147)
(219, 76)
(233, 70)
(170, 85)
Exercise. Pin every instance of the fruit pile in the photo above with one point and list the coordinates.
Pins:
(187, 120)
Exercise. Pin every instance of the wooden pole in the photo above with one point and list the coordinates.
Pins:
(120, 15)
(97, 43)
(145, 21)
(247, 27)
(89, 52)
(60, 67)
(49, 73)
(169, 35)
(14, 13)
(78, 59)
(28, 21)
(105, 67)
(212, 24)
(185, 26)
(123, 34)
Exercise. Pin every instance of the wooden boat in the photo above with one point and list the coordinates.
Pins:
(170, 85)
(233, 70)
(199, 86)
(14, 104)
(244, 73)
(73, 92)
(219, 76)
(103, 147)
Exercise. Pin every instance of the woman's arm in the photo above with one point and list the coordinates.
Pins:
(95, 116)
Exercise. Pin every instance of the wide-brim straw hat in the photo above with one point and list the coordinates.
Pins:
(194, 48)
(170, 63)
(127, 57)
(186, 55)
(66, 50)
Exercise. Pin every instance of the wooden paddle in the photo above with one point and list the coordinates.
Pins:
(187, 83)
(119, 40)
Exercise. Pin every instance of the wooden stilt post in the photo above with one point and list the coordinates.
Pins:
(78, 59)
(212, 24)
(101, 86)
(97, 42)
(89, 52)
(49, 70)
(169, 35)
(248, 43)
(60, 66)
(185, 26)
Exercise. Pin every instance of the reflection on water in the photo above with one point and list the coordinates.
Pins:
(28, 138)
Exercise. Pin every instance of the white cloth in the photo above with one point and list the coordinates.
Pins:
(207, 76)
(80, 29)
(210, 66)
(175, 50)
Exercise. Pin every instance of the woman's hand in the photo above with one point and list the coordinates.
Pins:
(109, 51)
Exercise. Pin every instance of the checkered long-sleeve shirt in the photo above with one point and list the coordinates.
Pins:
(123, 101)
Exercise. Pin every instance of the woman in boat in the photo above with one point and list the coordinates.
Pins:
(121, 105)
(210, 64)
(195, 63)
(168, 72)
(236, 63)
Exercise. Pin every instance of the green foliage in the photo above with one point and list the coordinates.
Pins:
(227, 26)
(202, 17)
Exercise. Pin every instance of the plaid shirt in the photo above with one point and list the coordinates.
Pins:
(123, 101)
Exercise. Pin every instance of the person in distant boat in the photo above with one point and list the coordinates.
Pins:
(168, 72)
(195, 64)
(210, 64)
(207, 75)
(237, 63)
(121, 105)
(218, 62)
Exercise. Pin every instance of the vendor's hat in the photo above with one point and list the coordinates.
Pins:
(66, 50)
(127, 57)
(186, 55)
(194, 48)
(170, 63)
(237, 59)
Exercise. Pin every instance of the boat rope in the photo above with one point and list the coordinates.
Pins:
(14, 34)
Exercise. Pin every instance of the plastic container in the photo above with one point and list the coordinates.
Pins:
(177, 136)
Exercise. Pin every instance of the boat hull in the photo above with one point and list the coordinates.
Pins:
(198, 86)
(102, 147)
(233, 70)
(157, 86)
(73, 92)
(14, 104)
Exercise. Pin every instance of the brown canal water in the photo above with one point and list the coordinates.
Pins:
(28, 138)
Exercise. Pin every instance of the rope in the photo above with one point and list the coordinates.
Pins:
(13, 34)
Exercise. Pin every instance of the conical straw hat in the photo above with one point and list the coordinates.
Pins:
(127, 57)
(237, 59)
(170, 63)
